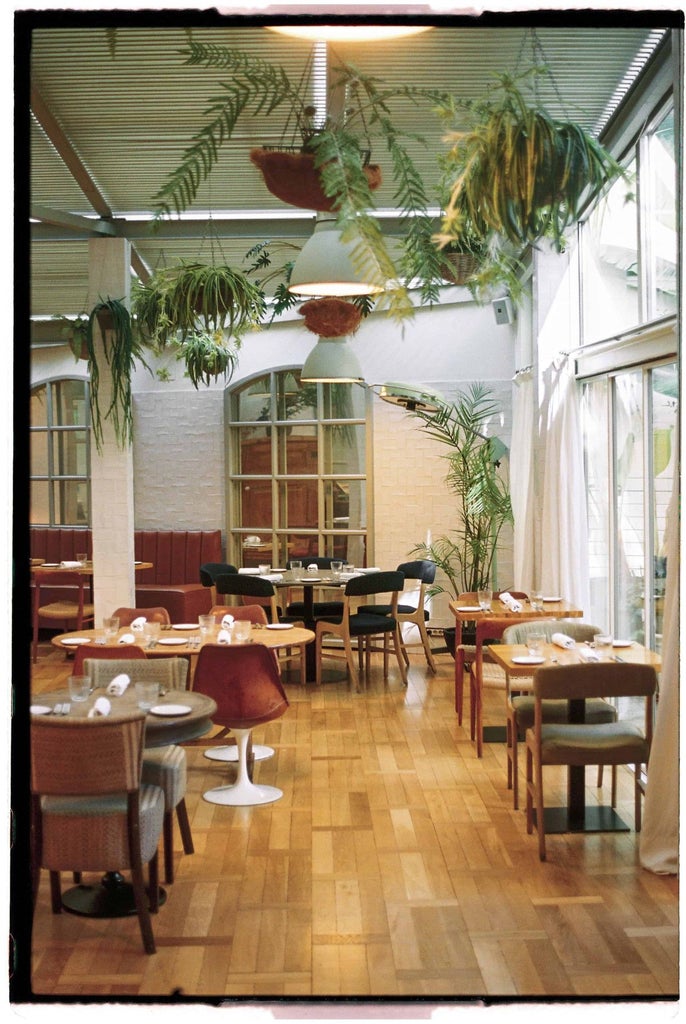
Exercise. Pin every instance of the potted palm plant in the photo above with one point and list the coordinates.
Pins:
(338, 151)
(466, 555)
(516, 170)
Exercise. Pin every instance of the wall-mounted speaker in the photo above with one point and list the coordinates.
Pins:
(504, 312)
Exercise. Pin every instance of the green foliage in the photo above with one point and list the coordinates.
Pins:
(208, 356)
(516, 170)
(484, 507)
(75, 330)
(258, 87)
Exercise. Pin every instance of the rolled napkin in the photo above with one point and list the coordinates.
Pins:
(562, 640)
(313, 567)
(70, 565)
(118, 685)
(227, 620)
(126, 638)
(509, 602)
(224, 636)
(139, 623)
(588, 654)
(249, 572)
(101, 707)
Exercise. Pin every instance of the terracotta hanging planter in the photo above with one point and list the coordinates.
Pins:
(331, 317)
(293, 178)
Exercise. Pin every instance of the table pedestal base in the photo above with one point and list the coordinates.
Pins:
(595, 819)
(111, 897)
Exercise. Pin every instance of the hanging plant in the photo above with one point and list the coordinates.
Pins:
(517, 171)
(331, 317)
(208, 356)
(75, 331)
(294, 178)
(121, 349)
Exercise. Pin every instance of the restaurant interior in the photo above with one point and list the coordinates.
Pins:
(477, 408)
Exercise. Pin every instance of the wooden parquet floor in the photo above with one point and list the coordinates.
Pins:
(393, 867)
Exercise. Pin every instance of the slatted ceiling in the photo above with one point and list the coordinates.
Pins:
(130, 117)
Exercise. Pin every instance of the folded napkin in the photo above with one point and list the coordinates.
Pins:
(227, 621)
(118, 685)
(273, 577)
(224, 636)
(71, 565)
(588, 654)
(509, 602)
(126, 638)
(313, 567)
(139, 623)
(370, 568)
(562, 640)
(249, 572)
(101, 707)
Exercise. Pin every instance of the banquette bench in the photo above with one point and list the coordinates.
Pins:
(176, 555)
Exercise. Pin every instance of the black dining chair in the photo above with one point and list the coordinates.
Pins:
(209, 572)
(424, 570)
(319, 608)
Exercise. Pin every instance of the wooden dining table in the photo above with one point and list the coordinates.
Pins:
(518, 664)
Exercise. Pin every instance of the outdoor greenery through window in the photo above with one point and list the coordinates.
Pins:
(60, 456)
(297, 471)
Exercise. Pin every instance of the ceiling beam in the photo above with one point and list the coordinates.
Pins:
(74, 223)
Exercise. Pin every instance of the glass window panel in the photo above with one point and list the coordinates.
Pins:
(664, 392)
(344, 448)
(297, 545)
(71, 502)
(295, 400)
(660, 257)
(39, 407)
(629, 470)
(39, 453)
(69, 453)
(253, 400)
(40, 503)
(69, 403)
(256, 504)
(297, 449)
(345, 505)
(255, 450)
(597, 451)
(343, 402)
(298, 504)
(609, 265)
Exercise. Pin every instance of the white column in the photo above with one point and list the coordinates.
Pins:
(112, 516)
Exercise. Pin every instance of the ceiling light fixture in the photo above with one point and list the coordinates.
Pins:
(324, 266)
(332, 361)
(412, 397)
(359, 33)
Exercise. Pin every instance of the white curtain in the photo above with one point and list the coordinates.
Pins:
(659, 845)
(522, 479)
(563, 555)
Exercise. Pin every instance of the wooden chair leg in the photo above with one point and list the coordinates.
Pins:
(399, 657)
(184, 826)
(426, 644)
(168, 845)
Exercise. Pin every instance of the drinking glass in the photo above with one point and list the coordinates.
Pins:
(264, 568)
(603, 644)
(534, 644)
(296, 565)
(207, 624)
(242, 629)
(336, 566)
(485, 597)
(111, 626)
(79, 688)
(82, 558)
(537, 600)
(147, 694)
(151, 631)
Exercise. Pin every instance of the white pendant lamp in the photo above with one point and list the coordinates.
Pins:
(332, 361)
(414, 398)
(324, 266)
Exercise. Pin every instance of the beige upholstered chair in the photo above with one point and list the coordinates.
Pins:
(520, 702)
(162, 766)
(579, 744)
(90, 811)
(71, 609)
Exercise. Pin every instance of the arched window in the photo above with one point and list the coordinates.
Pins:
(60, 454)
(297, 470)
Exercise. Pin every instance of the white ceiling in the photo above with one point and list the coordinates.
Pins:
(105, 128)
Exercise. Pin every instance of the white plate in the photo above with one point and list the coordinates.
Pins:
(172, 641)
(170, 709)
(469, 608)
(280, 625)
(185, 625)
(50, 565)
(622, 643)
(39, 709)
(551, 599)
(528, 659)
(310, 579)
(74, 641)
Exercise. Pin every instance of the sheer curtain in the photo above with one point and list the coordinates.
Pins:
(522, 479)
(659, 845)
(563, 536)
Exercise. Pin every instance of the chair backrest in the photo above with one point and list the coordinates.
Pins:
(375, 583)
(75, 582)
(487, 629)
(105, 652)
(244, 682)
(127, 615)
(594, 679)
(246, 612)
(518, 632)
(421, 569)
(246, 585)
(171, 673)
(210, 570)
(321, 563)
(86, 756)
